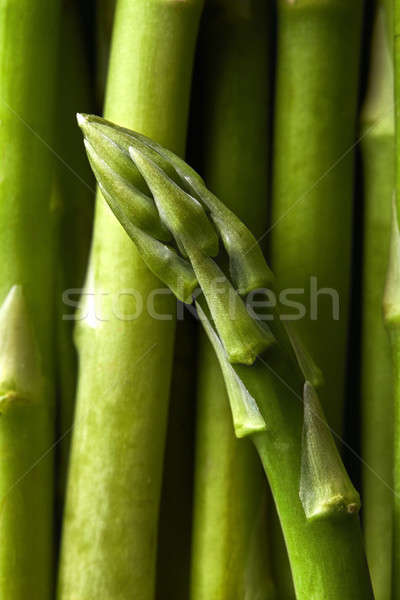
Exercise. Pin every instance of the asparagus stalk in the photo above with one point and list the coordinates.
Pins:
(316, 501)
(74, 186)
(109, 537)
(230, 530)
(28, 44)
(281, 565)
(174, 536)
(75, 178)
(378, 161)
(392, 307)
(104, 23)
(316, 99)
(230, 495)
(387, 6)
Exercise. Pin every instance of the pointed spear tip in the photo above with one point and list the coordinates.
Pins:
(136, 155)
(80, 117)
(85, 121)
(20, 365)
(325, 487)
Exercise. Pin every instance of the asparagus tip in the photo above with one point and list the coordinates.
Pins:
(20, 368)
(183, 214)
(81, 119)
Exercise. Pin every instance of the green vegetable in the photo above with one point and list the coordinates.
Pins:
(74, 187)
(324, 543)
(28, 51)
(110, 527)
(377, 144)
(105, 10)
(176, 509)
(392, 307)
(229, 554)
(318, 49)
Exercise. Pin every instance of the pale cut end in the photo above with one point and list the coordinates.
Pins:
(21, 373)
(326, 490)
(391, 298)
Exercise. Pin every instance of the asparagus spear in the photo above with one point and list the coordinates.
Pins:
(392, 307)
(378, 161)
(316, 99)
(310, 232)
(388, 8)
(109, 537)
(28, 44)
(175, 525)
(74, 186)
(230, 494)
(316, 501)
(104, 22)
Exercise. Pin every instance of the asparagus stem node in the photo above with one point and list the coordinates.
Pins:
(325, 487)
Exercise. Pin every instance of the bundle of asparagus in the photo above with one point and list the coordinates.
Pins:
(266, 502)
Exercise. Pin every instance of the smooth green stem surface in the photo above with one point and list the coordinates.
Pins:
(393, 328)
(280, 563)
(229, 554)
(396, 56)
(395, 344)
(174, 538)
(377, 400)
(318, 51)
(74, 190)
(110, 529)
(28, 51)
(229, 559)
(388, 9)
(105, 10)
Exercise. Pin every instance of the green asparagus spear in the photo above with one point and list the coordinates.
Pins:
(110, 527)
